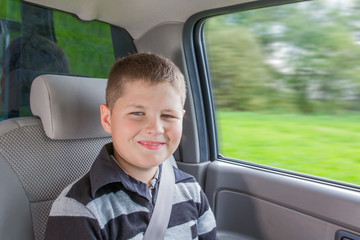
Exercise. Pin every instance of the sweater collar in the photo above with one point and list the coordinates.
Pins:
(105, 170)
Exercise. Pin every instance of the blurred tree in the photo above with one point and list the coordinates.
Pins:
(307, 49)
(237, 66)
(323, 56)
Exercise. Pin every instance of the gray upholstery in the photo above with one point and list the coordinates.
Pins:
(34, 168)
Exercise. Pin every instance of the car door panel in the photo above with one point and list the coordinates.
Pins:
(252, 203)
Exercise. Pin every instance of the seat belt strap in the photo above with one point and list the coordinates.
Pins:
(161, 215)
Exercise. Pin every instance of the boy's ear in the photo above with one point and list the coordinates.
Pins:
(105, 118)
(184, 112)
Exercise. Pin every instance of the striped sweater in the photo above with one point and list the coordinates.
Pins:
(107, 203)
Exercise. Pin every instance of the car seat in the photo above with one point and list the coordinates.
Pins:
(39, 156)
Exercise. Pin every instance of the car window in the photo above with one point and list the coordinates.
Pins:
(35, 41)
(88, 45)
(286, 86)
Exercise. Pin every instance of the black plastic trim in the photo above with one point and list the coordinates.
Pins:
(344, 235)
(193, 74)
(206, 89)
(123, 43)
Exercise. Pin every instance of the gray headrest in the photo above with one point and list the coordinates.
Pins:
(68, 106)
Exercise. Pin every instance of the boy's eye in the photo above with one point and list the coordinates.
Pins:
(167, 116)
(137, 113)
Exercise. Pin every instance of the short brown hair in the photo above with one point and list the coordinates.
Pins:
(147, 67)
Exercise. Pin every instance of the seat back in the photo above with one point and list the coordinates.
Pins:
(41, 156)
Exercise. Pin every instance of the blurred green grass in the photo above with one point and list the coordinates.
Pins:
(322, 145)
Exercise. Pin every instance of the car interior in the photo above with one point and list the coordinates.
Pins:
(43, 152)
(51, 152)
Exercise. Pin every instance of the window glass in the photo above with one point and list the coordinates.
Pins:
(10, 29)
(286, 85)
(35, 41)
(88, 45)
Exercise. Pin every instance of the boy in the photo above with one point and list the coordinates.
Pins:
(145, 97)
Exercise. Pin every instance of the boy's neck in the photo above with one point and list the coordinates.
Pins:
(144, 175)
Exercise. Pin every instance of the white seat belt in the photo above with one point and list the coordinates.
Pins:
(161, 215)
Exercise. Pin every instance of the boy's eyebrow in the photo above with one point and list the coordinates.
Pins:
(169, 110)
(135, 105)
(143, 107)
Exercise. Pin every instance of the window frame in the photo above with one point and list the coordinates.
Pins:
(199, 75)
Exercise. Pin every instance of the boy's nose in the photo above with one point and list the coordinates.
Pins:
(154, 126)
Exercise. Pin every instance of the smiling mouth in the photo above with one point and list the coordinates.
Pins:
(151, 145)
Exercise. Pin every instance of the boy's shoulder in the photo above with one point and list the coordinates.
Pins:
(80, 190)
(72, 200)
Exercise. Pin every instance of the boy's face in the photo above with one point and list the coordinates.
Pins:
(145, 124)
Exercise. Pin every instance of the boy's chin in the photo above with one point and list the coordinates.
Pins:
(151, 163)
